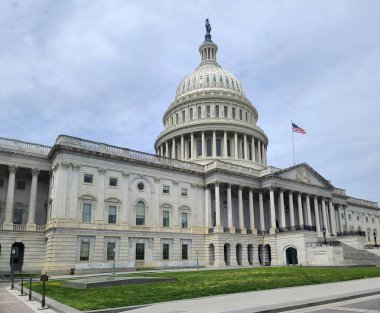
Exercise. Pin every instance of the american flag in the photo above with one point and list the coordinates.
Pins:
(297, 129)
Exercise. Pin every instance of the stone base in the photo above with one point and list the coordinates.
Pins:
(7, 226)
(31, 227)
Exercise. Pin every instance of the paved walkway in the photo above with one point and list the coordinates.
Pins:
(274, 300)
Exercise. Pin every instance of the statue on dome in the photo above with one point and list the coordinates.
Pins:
(208, 26)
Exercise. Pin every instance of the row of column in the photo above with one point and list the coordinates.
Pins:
(9, 202)
(252, 149)
(326, 206)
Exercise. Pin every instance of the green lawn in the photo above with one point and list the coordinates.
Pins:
(201, 283)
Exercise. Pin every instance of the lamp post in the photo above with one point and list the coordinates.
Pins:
(14, 254)
(113, 264)
(374, 237)
(324, 233)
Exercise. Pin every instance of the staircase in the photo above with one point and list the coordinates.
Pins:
(354, 256)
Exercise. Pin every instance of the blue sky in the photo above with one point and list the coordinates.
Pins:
(107, 71)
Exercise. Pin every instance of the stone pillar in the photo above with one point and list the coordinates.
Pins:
(192, 154)
(291, 210)
(282, 210)
(161, 150)
(167, 149)
(272, 212)
(259, 151)
(173, 148)
(263, 153)
(245, 148)
(253, 152)
(225, 144)
(101, 191)
(261, 208)
(345, 218)
(251, 213)
(300, 210)
(241, 211)
(213, 144)
(308, 210)
(332, 218)
(218, 221)
(316, 212)
(324, 215)
(182, 149)
(207, 207)
(8, 222)
(32, 200)
(236, 145)
(229, 209)
(203, 145)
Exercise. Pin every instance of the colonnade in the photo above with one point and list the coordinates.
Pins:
(204, 144)
(277, 210)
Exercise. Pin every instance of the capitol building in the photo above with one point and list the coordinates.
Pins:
(206, 198)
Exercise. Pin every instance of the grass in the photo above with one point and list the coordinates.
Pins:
(199, 284)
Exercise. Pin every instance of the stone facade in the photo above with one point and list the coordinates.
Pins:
(206, 198)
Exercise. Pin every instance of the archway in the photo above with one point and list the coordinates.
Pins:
(227, 254)
(266, 255)
(18, 260)
(291, 256)
(211, 254)
(239, 254)
(250, 254)
(260, 250)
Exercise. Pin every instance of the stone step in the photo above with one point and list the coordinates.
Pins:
(354, 256)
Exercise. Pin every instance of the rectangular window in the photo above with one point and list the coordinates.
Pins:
(1, 182)
(165, 218)
(165, 190)
(111, 246)
(349, 216)
(113, 181)
(342, 215)
(165, 251)
(84, 251)
(140, 251)
(184, 192)
(88, 178)
(185, 252)
(18, 214)
(373, 220)
(20, 184)
(366, 219)
(86, 212)
(112, 214)
(184, 220)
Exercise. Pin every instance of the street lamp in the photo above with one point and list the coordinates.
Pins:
(324, 233)
(14, 254)
(374, 237)
(113, 264)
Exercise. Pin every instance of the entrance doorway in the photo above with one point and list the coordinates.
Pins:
(291, 256)
(18, 260)
(250, 254)
(227, 252)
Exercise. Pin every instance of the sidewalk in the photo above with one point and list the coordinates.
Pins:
(274, 300)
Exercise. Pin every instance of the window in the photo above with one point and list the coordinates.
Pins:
(165, 189)
(140, 251)
(208, 111)
(112, 214)
(233, 113)
(218, 147)
(349, 216)
(18, 213)
(199, 112)
(246, 116)
(86, 212)
(1, 182)
(176, 118)
(225, 111)
(342, 215)
(184, 219)
(20, 184)
(373, 220)
(191, 114)
(165, 218)
(209, 147)
(185, 252)
(217, 111)
(199, 147)
(366, 219)
(111, 250)
(357, 218)
(140, 213)
(241, 114)
(183, 116)
(165, 251)
(113, 181)
(172, 120)
(84, 251)
(88, 178)
(140, 186)
(228, 148)
(184, 192)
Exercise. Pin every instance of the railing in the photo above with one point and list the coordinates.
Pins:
(237, 231)
(263, 232)
(40, 228)
(351, 233)
(140, 227)
(211, 230)
(226, 230)
(370, 246)
(19, 227)
(322, 243)
(297, 228)
(249, 231)
(362, 202)
(24, 146)
(231, 167)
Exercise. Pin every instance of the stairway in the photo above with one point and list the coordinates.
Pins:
(354, 256)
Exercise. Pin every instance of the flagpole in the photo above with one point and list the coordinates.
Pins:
(294, 154)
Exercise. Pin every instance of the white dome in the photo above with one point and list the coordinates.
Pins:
(209, 76)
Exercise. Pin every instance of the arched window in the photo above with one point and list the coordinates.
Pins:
(208, 111)
(176, 118)
(172, 120)
(209, 147)
(140, 213)
(233, 113)
(241, 114)
(246, 116)
(228, 148)
(207, 79)
(191, 114)
(218, 147)
(190, 153)
(188, 84)
(225, 111)
(199, 147)
(214, 79)
(199, 112)
(217, 111)
(227, 81)
(183, 116)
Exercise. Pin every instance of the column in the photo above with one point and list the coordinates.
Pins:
(263, 152)
(251, 213)
(161, 150)
(173, 148)
(261, 208)
(308, 210)
(253, 152)
(218, 222)
(345, 218)
(259, 151)
(338, 216)
(8, 222)
(207, 207)
(241, 212)
(272, 212)
(324, 216)
(300, 210)
(265, 156)
(192, 153)
(229, 209)
(316, 212)
(213, 143)
(236, 145)
(32, 200)
(182, 157)
(332, 218)
(203, 145)
(291, 210)
(100, 202)
(225, 144)
(282, 210)
(245, 148)
(167, 149)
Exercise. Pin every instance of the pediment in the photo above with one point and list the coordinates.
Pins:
(303, 173)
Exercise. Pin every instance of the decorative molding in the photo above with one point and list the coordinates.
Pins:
(12, 168)
(101, 171)
(35, 171)
(75, 167)
(125, 174)
(156, 180)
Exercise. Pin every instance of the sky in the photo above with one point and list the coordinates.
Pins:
(107, 71)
